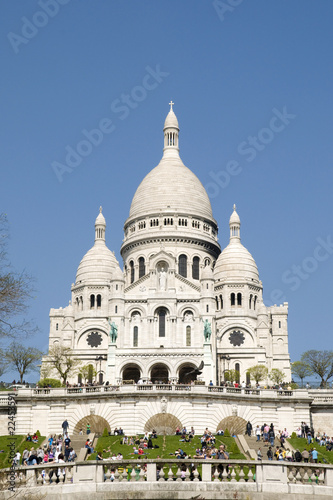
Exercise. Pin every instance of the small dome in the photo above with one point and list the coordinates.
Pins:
(117, 273)
(234, 218)
(236, 263)
(171, 120)
(207, 273)
(100, 219)
(98, 264)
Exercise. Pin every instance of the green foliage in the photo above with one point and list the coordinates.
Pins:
(167, 445)
(20, 445)
(63, 360)
(277, 376)
(231, 375)
(105, 433)
(301, 443)
(258, 373)
(49, 382)
(293, 435)
(227, 433)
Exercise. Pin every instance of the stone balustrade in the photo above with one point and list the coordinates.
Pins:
(316, 395)
(209, 478)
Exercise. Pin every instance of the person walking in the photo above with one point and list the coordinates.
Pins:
(65, 427)
(248, 428)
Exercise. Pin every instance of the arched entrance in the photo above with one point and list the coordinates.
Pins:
(235, 425)
(159, 374)
(163, 423)
(131, 372)
(185, 377)
(97, 425)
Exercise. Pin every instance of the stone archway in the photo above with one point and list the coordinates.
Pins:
(131, 372)
(97, 425)
(159, 374)
(185, 376)
(163, 423)
(235, 425)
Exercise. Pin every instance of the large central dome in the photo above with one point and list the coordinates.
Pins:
(171, 185)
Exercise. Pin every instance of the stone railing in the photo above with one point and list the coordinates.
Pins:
(237, 475)
(317, 396)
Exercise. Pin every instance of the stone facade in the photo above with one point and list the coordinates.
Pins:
(179, 301)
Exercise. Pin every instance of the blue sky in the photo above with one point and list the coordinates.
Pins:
(252, 84)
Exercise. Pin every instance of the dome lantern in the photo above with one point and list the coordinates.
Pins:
(234, 224)
(171, 134)
(100, 226)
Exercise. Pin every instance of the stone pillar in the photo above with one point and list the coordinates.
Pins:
(111, 364)
(207, 373)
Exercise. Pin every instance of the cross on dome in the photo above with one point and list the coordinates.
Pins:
(234, 207)
(171, 104)
(100, 209)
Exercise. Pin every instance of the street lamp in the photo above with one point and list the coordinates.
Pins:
(100, 359)
(225, 358)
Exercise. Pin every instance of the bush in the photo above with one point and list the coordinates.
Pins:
(227, 433)
(293, 435)
(49, 382)
(105, 433)
(199, 382)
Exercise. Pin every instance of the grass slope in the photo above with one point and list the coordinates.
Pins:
(301, 443)
(20, 444)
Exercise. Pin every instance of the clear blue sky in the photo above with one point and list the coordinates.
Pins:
(230, 74)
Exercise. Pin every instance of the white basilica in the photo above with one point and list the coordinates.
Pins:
(180, 302)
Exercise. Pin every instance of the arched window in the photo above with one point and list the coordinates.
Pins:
(182, 265)
(92, 301)
(57, 326)
(221, 301)
(237, 374)
(217, 303)
(232, 299)
(79, 379)
(255, 302)
(250, 301)
(99, 300)
(161, 322)
(279, 324)
(239, 299)
(188, 336)
(142, 267)
(132, 271)
(135, 336)
(195, 268)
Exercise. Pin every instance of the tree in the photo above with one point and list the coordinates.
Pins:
(15, 291)
(231, 375)
(321, 363)
(3, 363)
(87, 372)
(258, 372)
(21, 358)
(301, 370)
(277, 376)
(63, 360)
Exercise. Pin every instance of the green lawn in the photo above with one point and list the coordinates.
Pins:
(20, 444)
(167, 447)
(301, 443)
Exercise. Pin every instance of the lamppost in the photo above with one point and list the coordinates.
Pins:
(100, 359)
(225, 357)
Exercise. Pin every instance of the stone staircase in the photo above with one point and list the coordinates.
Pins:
(251, 446)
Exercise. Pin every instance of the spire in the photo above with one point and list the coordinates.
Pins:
(234, 224)
(171, 134)
(100, 226)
